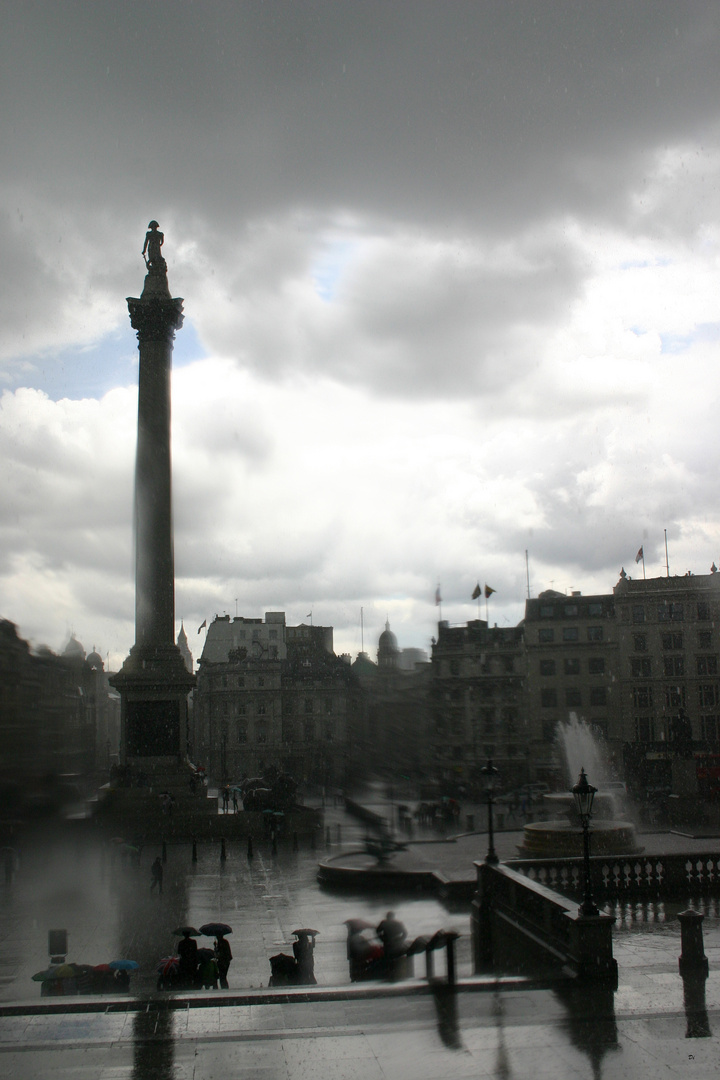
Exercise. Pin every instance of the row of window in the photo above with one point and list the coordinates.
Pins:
(571, 666)
(641, 666)
(673, 640)
(260, 732)
(571, 610)
(264, 708)
(671, 612)
(647, 729)
(546, 634)
(708, 696)
(573, 697)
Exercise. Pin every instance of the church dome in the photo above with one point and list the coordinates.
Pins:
(95, 660)
(388, 650)
(74, 650)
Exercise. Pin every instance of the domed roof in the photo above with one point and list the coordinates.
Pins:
(95, 660)
(74, 650)
(388, 641)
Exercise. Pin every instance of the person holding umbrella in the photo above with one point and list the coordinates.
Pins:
(187, 952)
(223, 953)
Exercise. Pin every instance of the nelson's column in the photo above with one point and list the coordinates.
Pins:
(153, 683)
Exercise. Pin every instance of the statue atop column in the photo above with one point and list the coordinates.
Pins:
(154, 240)
(156, 283)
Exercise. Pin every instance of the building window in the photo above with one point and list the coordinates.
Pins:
(454, 667)
(703, 610)
(638, 613)
(704, 639)
(308, 704)
(548, 730)
(597, 695)
(242, 733)
(641, 667)
(670, 613)
(548, 699)
(508, 664)
(674, 697)
(261, 681)
(545, 636)
(287, 706)
(570, 633)
(672, 641)
(547, 667)
(547, 611)
(328, 705)
(596, 665)
(709, 728)
(594, 610)
(572, 667)
(708, 695)
(643, 729)
(594, 633)
(241, 681)
(261, 732)
(226, 709)
(224, 680)
(673, 665)
(241, 708)
(642, 697)
(707, 665)
(640, 642)
(309, 730)
(261, 709)
(571, 611)
(487, 717)
(573, 696)
(287, 731)
(273, 635)
(329, 731)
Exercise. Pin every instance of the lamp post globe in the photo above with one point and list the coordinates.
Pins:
(490, 777)
(584, 793)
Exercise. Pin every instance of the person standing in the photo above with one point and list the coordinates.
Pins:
(224, 956)
(187, 950)
(157, 874)
(392, 933)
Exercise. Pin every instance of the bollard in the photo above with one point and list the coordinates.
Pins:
(295, 841)
(223, 852)
(194, 850)
(164, 852)
(450, 939)
(429, 964)
(692, 958)
(273, 838)
(250, 850)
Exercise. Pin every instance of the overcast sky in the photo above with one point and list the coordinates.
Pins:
(451, 279)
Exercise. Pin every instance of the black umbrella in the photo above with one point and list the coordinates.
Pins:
(215, 929)
(186, 931)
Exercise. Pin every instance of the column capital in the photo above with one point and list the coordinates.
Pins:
(155, 319)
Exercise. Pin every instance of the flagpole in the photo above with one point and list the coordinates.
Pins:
(667, 560)
(643, 562)
(527, 573)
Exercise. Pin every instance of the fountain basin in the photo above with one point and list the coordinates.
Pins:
(558, 839)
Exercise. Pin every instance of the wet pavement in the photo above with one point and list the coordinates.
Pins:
(504, 1029)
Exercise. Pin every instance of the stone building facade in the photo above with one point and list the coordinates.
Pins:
(271, 695)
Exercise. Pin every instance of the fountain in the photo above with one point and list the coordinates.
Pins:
(562, 836)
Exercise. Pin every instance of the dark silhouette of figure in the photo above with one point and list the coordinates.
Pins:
(236, 805)
(157, 874)
(392, 933)
(226, 799)
(187, 950)
(223, 954)
(303, 950)
(154, 240)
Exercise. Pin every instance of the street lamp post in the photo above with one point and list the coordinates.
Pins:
(584, 793)
(490, 775)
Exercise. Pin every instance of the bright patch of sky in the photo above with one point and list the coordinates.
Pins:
(91, 371)
(329, 266)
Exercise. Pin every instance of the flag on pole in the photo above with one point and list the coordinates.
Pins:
(477, 591)
(489, 591)
(203, 624)
(438, 597)
(640, 555)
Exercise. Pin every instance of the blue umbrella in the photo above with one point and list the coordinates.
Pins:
(123, 965)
